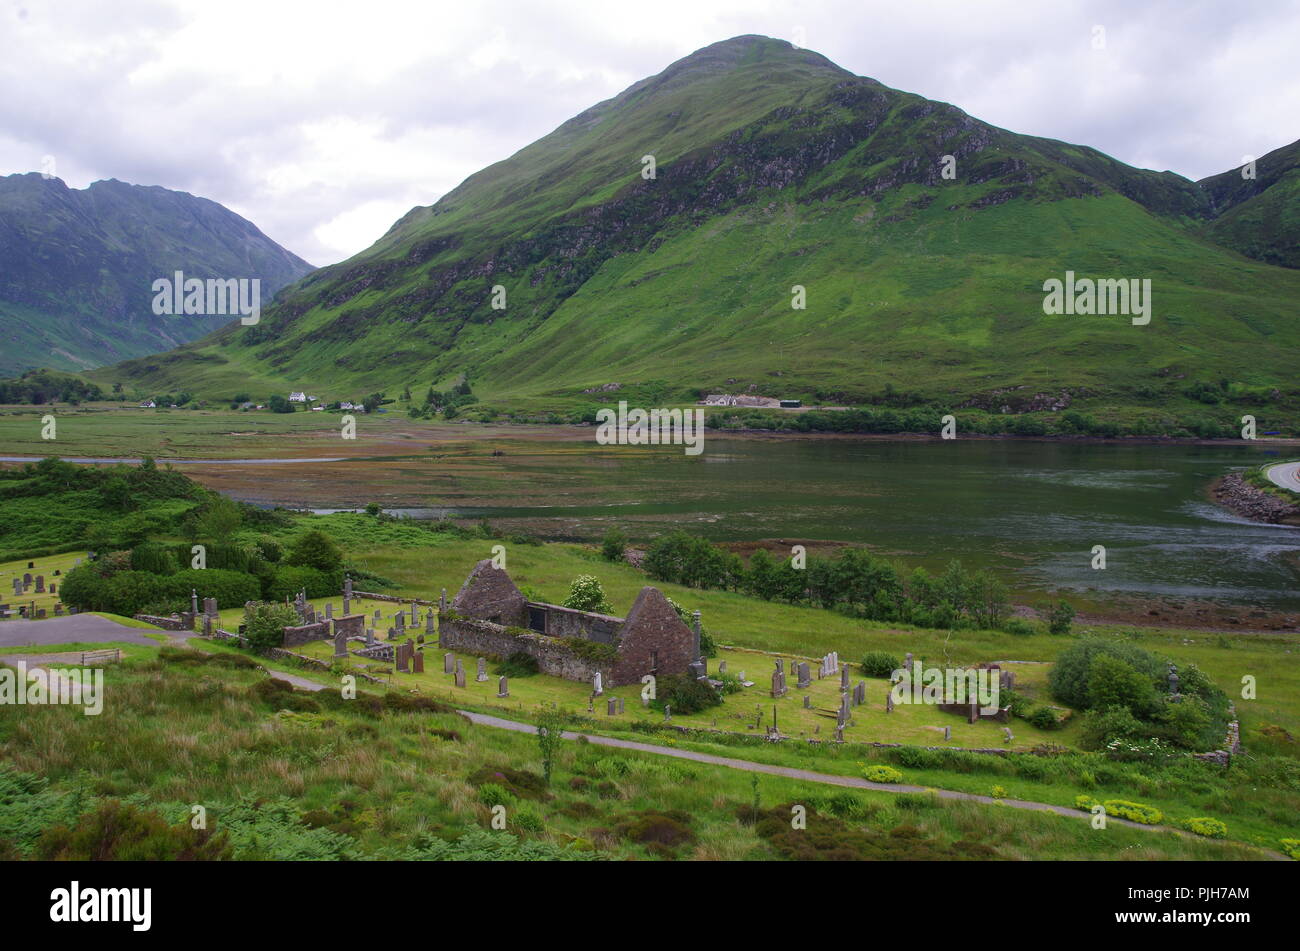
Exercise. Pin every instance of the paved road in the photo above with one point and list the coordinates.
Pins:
(1285, 474)
(90, 628)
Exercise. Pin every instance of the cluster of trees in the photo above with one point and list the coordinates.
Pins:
(1129, 707)
(39, 387)
(854, 581)
(448, 402)
(157, 577)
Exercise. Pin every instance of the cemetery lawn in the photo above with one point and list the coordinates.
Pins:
(289, 775)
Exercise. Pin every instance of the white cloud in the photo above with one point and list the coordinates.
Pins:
(323, 123)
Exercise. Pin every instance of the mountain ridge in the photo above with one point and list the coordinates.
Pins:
(753, 138)
(79, 264)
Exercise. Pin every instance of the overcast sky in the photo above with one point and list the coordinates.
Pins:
(324, 122)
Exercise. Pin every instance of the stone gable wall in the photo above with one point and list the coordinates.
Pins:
(488, 592)
(652, 627)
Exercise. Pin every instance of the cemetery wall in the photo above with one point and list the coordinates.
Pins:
(484, 638)
(302, 634)
(166, 623)
(371, 596)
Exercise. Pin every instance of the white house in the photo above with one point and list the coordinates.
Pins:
(148, 404)
(297, 397)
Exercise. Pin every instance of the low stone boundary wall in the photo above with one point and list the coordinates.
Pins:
(371, 596)
(173, 623)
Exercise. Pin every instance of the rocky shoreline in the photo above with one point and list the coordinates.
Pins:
(1237, 495)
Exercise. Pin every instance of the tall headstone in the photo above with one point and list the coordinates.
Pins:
(340, 643)
(481, 675)
(417, 661)
(442, 601)
(807, 702)
(379, 615)
(329, 610)
(611, 707)
(597, 688)
(448, 663)
(503, 689)
(194, 601)
(460, 676)
(620, 704)
(370, 637)
(428, 624)
(844, 678)
(804, 674)
(399, 654)
(947, 733)
(207, 625)
(40, 584)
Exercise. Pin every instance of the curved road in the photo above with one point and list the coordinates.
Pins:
(1285, 474)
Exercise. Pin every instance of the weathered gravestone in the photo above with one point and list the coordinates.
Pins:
(40, 584)
(597, 688)
(340, 642)
(481, 675)
(448, 663)
(417, 665)
(503, 689)
(399, 655)
(611, 707)
(460, 676)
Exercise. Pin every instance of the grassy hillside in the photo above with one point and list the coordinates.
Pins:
(775, 168)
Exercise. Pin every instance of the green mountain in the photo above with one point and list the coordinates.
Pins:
(78, 268)
(1260, 216)
(774, 168)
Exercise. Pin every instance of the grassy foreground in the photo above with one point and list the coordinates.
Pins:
(286, 775)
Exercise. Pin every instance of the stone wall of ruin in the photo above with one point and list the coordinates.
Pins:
(485, 639)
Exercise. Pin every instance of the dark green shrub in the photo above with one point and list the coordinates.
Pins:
(880, 664)
(315, 549)
(518, 664)
(1068, 678)
(1044, 718)
(684, 694)
(264, 624)
(153, 558)
(287, 580)
(614, 544)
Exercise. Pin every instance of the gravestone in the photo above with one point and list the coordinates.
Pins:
(40, 584)
(58, 610)
(807, 702)
(400, 657)
(722, 667)
(399, 619)
(340, 643)
(31, 564)
(1006, 731)
(620, 704)
(778, 681)
(27, 578)
(503, 690)
(53, 587)
(448, 663)
(668, 713)
(329, 610)
(907, 665)
(839, 733)
(428, 624)
(844, 678)
(370, 637)
(207, 625)
(194, 602)
(804, 674)
(597, 689)
(860, 693)
(482, 671)
(442, 601)
(18, 587)
(889, 701)
(210, 607)
(417, 666)
(379, 615)
(611, 707)
(947, 733)
(460, 676)
(40, 613)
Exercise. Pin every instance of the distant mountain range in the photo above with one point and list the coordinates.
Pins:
(77, 267)
(922, 238)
